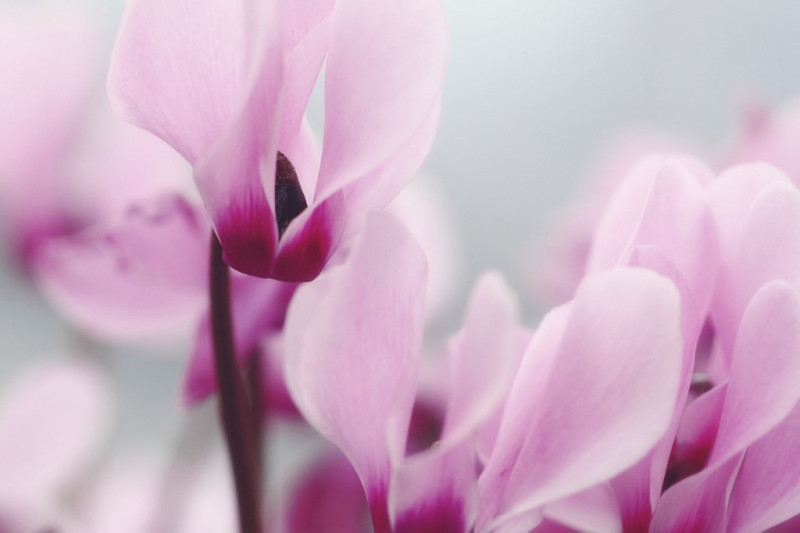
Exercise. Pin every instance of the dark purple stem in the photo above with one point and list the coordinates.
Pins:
(233, 404)
(258, 413)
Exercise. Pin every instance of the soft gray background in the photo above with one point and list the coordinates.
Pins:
(534, 87)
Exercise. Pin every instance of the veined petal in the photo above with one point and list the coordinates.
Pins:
(592, 396)
(383, 80)
(355, 333)
(179, 69)
(766, 491)
(141, 278)
(765, 370)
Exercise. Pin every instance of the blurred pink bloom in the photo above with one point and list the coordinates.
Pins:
(227, 85)
(67, 161)
(355, 333)
(53, 419)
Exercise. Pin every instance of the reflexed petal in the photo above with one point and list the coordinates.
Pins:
(765, 370)
(593, 394)
(594, 510)
(52, 419)
(144, 277)
(258, 308)
(179, 69)
(383, 81)
(483, 358)
(767, 488)
(355, 333)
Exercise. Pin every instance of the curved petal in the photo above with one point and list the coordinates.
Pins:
(482, 358)
(383, 80)
(765, 370)
(355, 333)
(179, 69)
(593, 394)
(143, 277)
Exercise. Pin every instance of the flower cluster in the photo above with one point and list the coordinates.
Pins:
(662, 394)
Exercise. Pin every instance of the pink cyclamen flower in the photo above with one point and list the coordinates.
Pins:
(226, 84)
(595, 380)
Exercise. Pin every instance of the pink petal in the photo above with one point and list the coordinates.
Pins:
(593, 394)
(141, 278)
(765, 370)
(662, 204)
(383, 81)
(767, 488)
(483, 358)
(697, 503)
(355, 333)
(258, 307)
(594, 510)
(52, 419)
(435, 491)
(179, 69)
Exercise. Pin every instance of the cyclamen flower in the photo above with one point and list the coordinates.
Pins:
(592, 393)
(226, 84)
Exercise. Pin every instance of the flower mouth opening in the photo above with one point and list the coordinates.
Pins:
(289, 198)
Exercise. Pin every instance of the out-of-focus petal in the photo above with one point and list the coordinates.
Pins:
(355, 333)
(52, 419)
(383, 81)
(423, 208)
(593, 394)
(259, 307)
(594, 510)
(142, 278)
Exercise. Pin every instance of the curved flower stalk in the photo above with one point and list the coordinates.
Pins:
(349, 337)
(53, 418)
(230, 97)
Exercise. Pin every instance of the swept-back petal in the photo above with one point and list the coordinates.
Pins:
(766, 491)
(352, 341)
(139, 278)
(483, 358)
(594, 393)
(383, 81)
(179, 69)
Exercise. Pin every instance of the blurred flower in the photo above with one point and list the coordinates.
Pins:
(53, 419)
(227, 86)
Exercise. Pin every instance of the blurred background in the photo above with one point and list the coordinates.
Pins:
(535, 92)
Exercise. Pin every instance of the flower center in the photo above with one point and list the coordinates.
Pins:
(289, 199)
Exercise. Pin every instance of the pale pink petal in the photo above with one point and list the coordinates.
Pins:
(593, 395)
(765, 370)
(483, 358)
(383, 81)
(594, 510)
(258, 308)
(662, 204)
(697, 503)
(179, 69)
(424, 209)
(767, 488)
(140, 279)
(355, 333)
(435, 491)
(52, 420)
